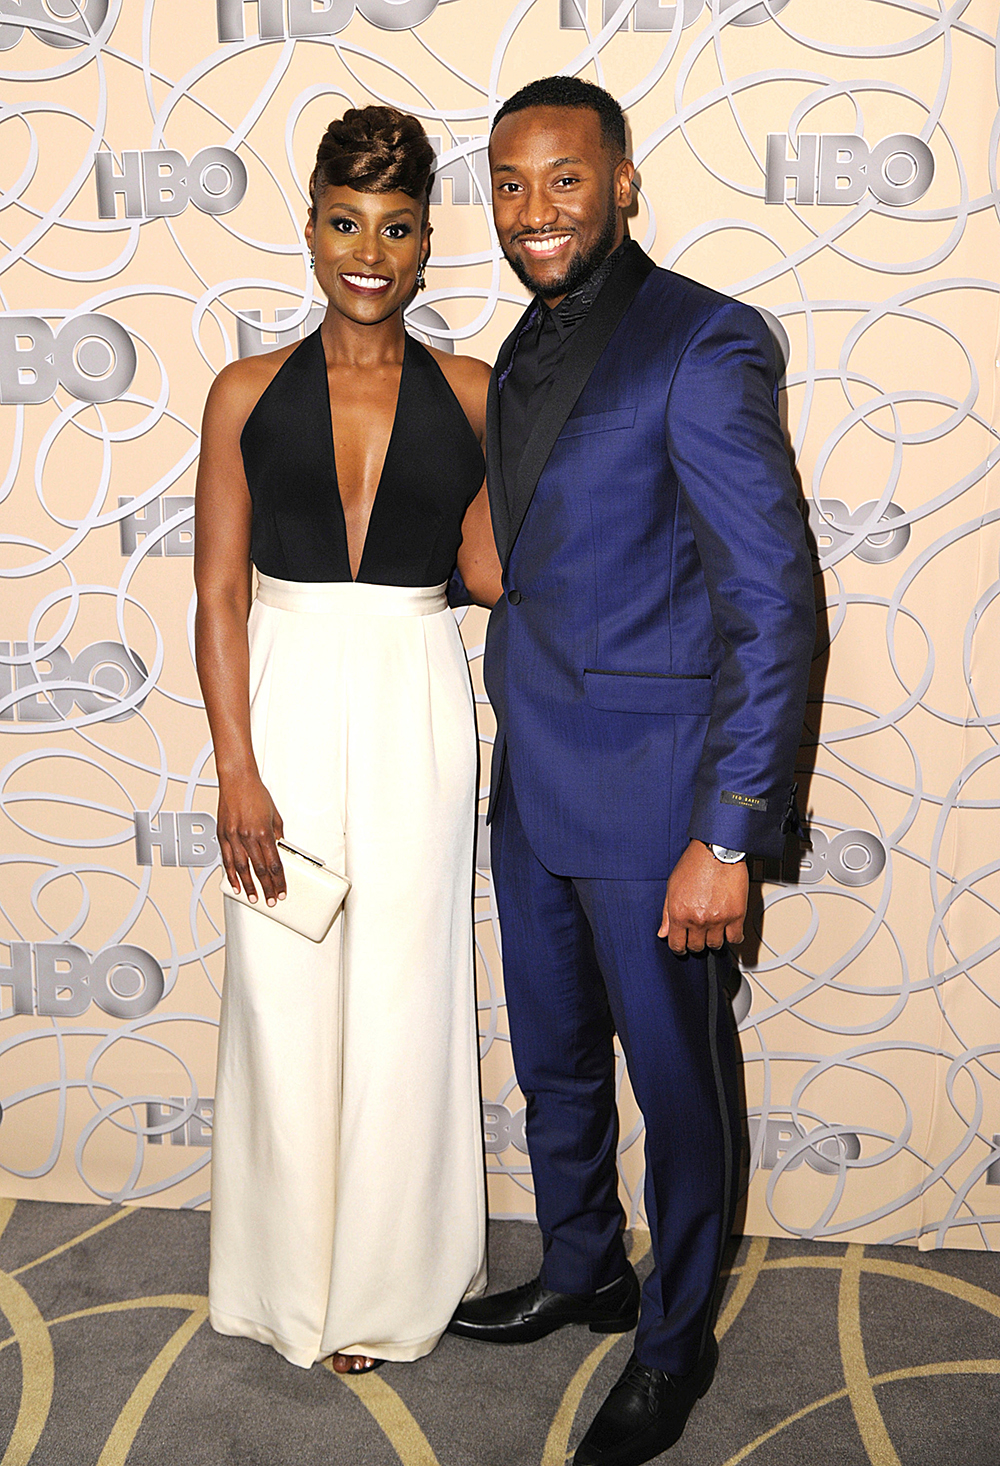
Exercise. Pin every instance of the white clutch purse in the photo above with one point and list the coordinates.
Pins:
(315, 894)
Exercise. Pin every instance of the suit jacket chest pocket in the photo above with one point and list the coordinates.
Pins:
(590, 451)
(615, 420)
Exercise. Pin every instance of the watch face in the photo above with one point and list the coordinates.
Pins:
(728, 857)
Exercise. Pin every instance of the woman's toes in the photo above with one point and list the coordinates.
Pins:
(352, 1363)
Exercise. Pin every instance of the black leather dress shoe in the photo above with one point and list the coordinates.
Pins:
(645, 1413)
(532, 1311)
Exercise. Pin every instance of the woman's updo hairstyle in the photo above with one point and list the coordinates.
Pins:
(374, 150)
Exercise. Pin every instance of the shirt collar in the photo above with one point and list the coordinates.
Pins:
(572, 309)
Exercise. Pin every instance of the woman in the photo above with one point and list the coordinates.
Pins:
(347, 1206)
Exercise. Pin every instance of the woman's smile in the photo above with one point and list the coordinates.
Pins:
(365, 284)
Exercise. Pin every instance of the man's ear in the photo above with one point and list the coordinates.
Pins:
(624, 174)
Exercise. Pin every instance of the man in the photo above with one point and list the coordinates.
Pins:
(648, 665)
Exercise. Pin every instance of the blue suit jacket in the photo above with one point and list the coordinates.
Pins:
(648, 661)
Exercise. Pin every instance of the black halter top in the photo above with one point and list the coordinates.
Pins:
(433, 470)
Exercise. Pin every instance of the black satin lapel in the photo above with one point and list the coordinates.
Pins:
(497, 486)
(499, 509)
(583, 355)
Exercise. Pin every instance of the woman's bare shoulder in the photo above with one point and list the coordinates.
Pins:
(468, 378)
(468, 371)
(240, 385)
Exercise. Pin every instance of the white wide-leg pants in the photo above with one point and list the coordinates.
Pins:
(348, 1185)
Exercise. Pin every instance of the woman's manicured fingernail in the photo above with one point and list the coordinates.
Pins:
(270, 900)
(281, 895)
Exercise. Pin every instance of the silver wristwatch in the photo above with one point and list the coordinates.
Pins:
(728, 857)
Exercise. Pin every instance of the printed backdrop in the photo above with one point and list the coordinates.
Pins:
(834, 162)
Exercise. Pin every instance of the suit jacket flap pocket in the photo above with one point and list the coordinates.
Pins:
(598, 422)
(648, 692)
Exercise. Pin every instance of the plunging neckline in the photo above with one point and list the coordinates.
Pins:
(432, 471)
(338, 497)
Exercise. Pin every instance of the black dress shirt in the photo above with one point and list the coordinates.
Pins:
(538, 355)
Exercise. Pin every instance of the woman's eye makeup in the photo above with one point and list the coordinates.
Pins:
(345, 225)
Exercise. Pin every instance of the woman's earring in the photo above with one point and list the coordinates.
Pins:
(421, 281)
(312, 260)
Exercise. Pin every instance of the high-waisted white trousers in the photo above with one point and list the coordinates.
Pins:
(347, 1174)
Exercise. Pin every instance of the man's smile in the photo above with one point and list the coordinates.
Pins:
(545, 245)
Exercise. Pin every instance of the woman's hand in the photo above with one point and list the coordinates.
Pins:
(249, 829)
(249, 825)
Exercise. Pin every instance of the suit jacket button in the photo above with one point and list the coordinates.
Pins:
(515, 597)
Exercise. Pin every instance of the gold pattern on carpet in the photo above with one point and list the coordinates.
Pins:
(392, 1416)
(32, 1336)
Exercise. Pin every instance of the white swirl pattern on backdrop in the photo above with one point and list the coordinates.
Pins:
(799, 155)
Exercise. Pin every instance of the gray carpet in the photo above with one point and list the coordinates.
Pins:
(830, 1356)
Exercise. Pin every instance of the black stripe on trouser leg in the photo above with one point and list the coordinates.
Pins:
(660, 1004)
(725, 1223)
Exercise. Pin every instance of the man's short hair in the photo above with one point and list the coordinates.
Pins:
(572, 91)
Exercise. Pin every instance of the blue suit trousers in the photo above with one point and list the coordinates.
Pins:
(581, 961)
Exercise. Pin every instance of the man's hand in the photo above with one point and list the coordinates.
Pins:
(706, 901)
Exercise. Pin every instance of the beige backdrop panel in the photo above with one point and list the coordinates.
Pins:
(868, 1006)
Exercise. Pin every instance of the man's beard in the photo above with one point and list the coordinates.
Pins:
(580, 268)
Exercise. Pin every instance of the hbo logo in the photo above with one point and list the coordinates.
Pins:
(650, 15)
(781, 1136)
(92, 356)
(124, 981)
(460, 170)
(183, 839)
(838, 168)
(159, 184)
(832, 524)
(501, 1128)
(60, 23)
(852, 858)
(254, 335)
(176, 510)
(305, 18)
(993, 1169)
(167, 1117)
(101, 676)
